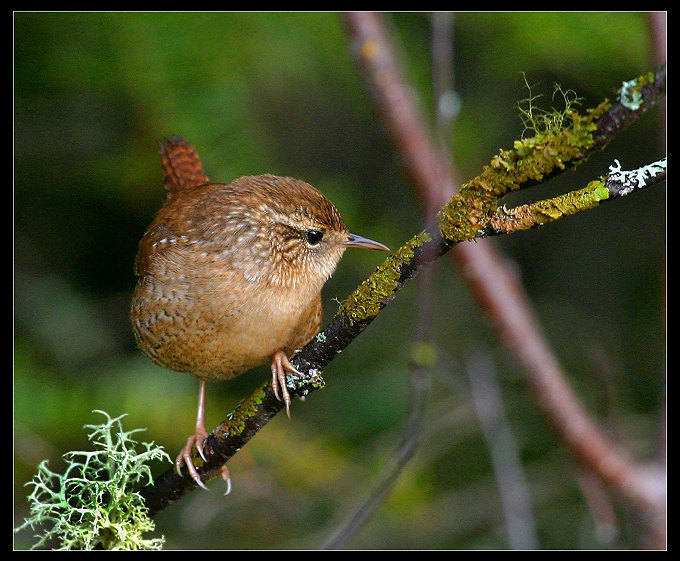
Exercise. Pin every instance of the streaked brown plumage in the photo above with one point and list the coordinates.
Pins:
(230, 275)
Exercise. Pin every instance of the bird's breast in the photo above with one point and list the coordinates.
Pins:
(218, 328)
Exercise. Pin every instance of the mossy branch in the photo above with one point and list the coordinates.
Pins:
(616, 183)
(472, 213)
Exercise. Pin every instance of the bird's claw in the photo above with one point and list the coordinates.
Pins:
(185, 458)
(224, 474)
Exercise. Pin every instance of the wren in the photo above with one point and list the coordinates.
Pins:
(230, 276)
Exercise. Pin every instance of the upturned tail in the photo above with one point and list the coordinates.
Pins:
(182, 168)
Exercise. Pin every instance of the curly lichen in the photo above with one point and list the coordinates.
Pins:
(635, 179)
(539, 121)
(560, 138)
(372, 295)
(94, 503)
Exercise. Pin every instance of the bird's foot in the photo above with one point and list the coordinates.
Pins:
(185, 457)
(281, 365)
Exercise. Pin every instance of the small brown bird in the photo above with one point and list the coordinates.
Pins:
(230, 276)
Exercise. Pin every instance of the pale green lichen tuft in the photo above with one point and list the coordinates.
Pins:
(630, 94)
(94, 503)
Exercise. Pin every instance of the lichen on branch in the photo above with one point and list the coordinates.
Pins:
(374, 293)
(561, 139)
(542, 212)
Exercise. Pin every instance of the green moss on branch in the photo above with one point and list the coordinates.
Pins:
(374, 293)
(523, 217)
(532, 160)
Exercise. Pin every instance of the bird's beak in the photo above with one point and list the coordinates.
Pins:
(358, 241)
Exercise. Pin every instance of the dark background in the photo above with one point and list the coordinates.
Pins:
(280, 93)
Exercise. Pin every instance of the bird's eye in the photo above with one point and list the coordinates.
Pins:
(313, 237)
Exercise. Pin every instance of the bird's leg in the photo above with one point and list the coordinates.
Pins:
(281, 364)
(196, 440)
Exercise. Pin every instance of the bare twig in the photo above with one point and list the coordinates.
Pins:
(505, 455)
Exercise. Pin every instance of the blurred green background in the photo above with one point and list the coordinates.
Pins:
(280, 93)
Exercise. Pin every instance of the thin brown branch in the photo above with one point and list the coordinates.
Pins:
(491, 279)
(420, 366)
(396, 104)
